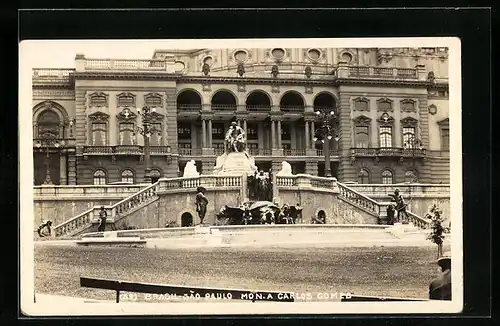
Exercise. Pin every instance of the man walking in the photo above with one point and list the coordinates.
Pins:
(102, 219)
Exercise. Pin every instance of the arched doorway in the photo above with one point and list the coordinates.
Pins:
(47, 160)
(186, 219)
(322, 216)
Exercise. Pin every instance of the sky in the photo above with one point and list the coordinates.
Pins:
(61, 53)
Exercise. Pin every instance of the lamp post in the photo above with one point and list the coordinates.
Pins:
(147, 130)
(47, 143)
(325, 131)
(413, 144)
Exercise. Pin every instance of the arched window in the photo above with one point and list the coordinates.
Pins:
(411, 176)
(128, 176)
(363, 176)
(387, 177)
(99, 177)
(48, 124)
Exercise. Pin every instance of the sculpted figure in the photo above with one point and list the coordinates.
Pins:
(235, 139)
(400, 206)
(201, 203)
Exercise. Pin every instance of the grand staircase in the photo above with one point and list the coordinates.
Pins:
(84, 221)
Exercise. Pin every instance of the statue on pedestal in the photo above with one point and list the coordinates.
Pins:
(201, 203)
(235, 139)
(190, 170)
(402, 216)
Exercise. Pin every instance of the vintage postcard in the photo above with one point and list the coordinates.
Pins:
(263, 176)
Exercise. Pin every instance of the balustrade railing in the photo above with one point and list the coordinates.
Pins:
(294, 152)
(325, 183)
(333, 152)
(228, 181)
(52, 75)
(223, 107)
(74, 223)
(291, 108)
(190, 151)
(382, 72)
(125, 64)
(357, 199)
(218, 151)
(258, 108)
(189, 107)
(389, 151)
(286, 181)
(122, 207)
(125, 149)
(418, 221)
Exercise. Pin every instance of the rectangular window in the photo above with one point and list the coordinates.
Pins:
(361, 105)
(445, 139)
(155, 139)
(126, 101)
(385, 136)
(252, 131)
(154, 101)
(285, 132)
(218, 131)
(99, 132)
(127, 134)
(384, 106)
(184, 131)
(98, 100)
(408, 137)
(362, 138)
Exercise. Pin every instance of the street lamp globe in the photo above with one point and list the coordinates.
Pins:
(330, 137)
(153, 110)
(317, 112)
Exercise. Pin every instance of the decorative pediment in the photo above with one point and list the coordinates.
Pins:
(98, 99)
(126, 115)
(384, 104)
(444, 122)
(156, 117)
(98, 116)
(408, 105)
(361, 104)
(153, 99)
(362, 120)
(385, 118)
(409, 121)
(125, 99)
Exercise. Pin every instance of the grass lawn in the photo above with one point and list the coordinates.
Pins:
(380, 271)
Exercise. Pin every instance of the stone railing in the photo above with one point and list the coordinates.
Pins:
(406, 189)
(223, 107)
(420, 222)
(125, 64)
(260, 151)
(388, 151)
(353, 197)
(258, 108)
(75, 223)
(39, 192)
(189, 107)
(294, 152)
(190, 151)
(290, 108)
(117, 210)
(50, 75)
(382, 72)
(124, 150)
(306, 181)
(333, 152)
(208, 181)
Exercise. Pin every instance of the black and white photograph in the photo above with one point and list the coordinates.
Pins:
(263, 176)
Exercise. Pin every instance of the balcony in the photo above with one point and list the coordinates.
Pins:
(61, 142)
(319, 152)
(292, 109)
(127, 65)
(190, 151)
(388, 151)
(189, 107)
(125, 150)
(294, 152)
(258, 108)
(223, 107)
(260, 151)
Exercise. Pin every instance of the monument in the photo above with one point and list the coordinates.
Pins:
(190, 170)
(235, 160)
(286, 169)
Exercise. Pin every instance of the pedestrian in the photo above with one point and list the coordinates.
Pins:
(102, 219)
(440, 287)
(44, 225)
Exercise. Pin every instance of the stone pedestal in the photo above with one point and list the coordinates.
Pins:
(236, 163)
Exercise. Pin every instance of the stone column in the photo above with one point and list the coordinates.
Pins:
(273, 135)
(35, 130)
(210, 133)
(72, 169)
(203, 134)
(62, 169)
(307, 135)
(312, 168)
(279, 135)
(245, 126)
(312, 134)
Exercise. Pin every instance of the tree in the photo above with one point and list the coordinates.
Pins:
(436, 235)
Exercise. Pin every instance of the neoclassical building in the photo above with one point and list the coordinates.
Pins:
(388, 123)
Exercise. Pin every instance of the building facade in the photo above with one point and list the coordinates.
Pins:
(388, 113)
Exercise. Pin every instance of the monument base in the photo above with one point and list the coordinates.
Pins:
(235, 163)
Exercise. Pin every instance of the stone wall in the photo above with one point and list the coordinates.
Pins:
(61, 210)
(337, 211)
